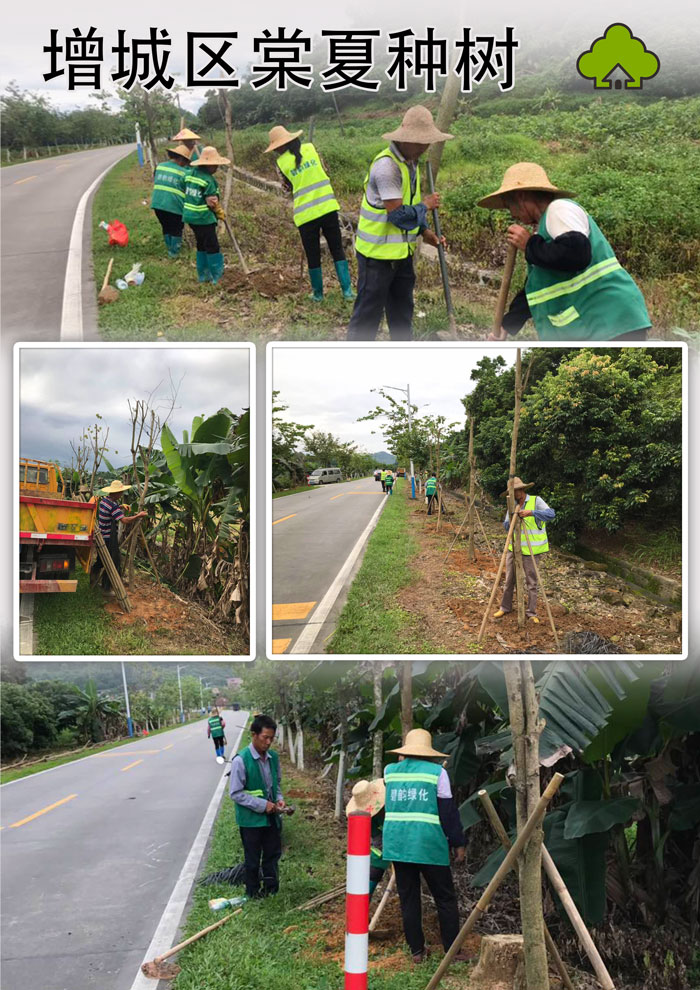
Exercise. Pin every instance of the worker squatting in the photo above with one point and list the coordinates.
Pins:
(576, 289)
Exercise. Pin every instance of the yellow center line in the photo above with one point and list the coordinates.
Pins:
(291, 610)
(130, 765)
(283, 519)
(168, 747)
(333, 497)
(28, 179)
(280, 645)
(128, 756)
(50, 807)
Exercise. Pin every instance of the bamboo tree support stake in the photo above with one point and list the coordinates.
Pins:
(511, 255)
(483, 533)
(112, 572)
(517, 546)
(498, 578)
(466, 516)
(385, 897)
(503, 870)
(149, 554)
(472, 470)
(443, 262)
(540, 582)
(506, 843)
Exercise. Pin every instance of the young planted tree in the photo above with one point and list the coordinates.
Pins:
(472, 472)
(517, 549)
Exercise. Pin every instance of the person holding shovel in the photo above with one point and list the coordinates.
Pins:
(109, 515)
(315, 206)
(576, 289)
(392, 216)
(168, 199)
(421, 826)
(369, 796)
(535, 514)
(255, 788)
(189, 139)
(203, 210)
(215, 732)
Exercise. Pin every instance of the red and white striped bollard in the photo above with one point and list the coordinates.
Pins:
(357, 901)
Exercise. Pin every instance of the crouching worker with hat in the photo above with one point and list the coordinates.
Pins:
(576, 289)
(202, 212)
(421, 825)
(168, 199)
(534, 514)
(369, 796)
(256, 778)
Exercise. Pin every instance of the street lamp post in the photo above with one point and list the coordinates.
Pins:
(129, 721)
(179, 688)
(407, 392)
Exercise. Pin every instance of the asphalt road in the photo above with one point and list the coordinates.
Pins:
(313, 536)
(85, 882)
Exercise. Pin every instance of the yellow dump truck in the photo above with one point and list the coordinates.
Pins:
(54, 532)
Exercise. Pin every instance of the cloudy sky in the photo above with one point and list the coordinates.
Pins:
(330, 387)
(62, 388)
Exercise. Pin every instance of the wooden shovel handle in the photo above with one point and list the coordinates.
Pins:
(505, 286)
(193, 938)
(109, 272)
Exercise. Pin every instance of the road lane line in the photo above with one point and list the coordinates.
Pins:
(122, 755)
(334, 497)
(18, 182)
(291, 610)
(308, 634)
(172, 915)
(37, 814)
(280, 645)
(168, 747)
(130, 765)
(283, 519)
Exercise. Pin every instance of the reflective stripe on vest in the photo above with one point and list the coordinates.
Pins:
(169, 189)
(591, 274)
(311, 187)
(376, 236)
(538, 537)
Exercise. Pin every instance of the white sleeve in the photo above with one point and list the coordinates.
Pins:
(562, 216)
(444, 789)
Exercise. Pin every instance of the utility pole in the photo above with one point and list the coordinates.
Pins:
(129, 721)
(179, 688)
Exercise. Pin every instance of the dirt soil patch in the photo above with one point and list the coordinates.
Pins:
(269, 282)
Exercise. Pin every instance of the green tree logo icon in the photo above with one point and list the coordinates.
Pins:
(618, 53)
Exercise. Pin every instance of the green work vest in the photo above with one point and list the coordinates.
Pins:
(538, 537)
(430, 486)
(599, 303)
(376, 237)
(311, 187)
(376, 855)
(245, 818)
(412, 829)
(216, 727)
(199, 185)
(389, 480)
(383, 476)
(169, 188)
(196, 152)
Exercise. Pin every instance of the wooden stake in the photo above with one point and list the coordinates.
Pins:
(498, 578)
(472, 496)
(385, 897)
(517, 548)
(458, 531)
(540, 582)
(511, 254)
(483, 533)
(150, 556)
(506, 866)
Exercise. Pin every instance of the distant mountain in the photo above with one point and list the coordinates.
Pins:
(384, 458)
(141, 675)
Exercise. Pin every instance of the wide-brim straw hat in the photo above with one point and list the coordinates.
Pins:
(182, 150)
(518, 483)
(419, 742)
(210, 156)
(417, 127)
(521, 177)
(186, 135)
(115, 488)
(367, 795)
(280, 136)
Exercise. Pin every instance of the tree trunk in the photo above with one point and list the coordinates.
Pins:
(445, 116)
(525, 729)
(225, 107)
(378, 738)
(472, 468)
(406, 682)
(150, 130)
(300, 747)
(340, 782)
(517, 550)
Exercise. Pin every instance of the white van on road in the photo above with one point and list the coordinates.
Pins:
(325, 476)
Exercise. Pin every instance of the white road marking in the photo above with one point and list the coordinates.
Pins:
(312, 628)
(169, 923)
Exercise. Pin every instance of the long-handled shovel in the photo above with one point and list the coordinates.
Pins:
(443, 262)
(505, 286)
(230, 233)
(158, 969)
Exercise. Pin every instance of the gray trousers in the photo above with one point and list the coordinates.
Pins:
(530, 580)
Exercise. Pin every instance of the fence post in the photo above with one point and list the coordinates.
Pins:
(357, 901)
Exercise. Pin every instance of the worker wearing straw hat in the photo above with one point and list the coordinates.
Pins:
(109, 515)
(202, 211)
(315, 206)
(392, 216)
(369, 796)
(421, 825)
(576, 288)
(189, 139)
(535, 514)
(168, 199)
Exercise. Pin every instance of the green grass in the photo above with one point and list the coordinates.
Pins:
(296, 490)
(371, 621)
(271, 944)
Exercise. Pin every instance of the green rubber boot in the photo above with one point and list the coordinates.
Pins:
(341, 270)
(316, 279)
(167, 238)
(174, 246)
(216, 266)
(203, 273)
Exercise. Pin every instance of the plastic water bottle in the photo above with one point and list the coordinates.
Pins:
(221, 903)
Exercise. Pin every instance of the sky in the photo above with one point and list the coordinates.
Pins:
(63, 388)
(330, 387)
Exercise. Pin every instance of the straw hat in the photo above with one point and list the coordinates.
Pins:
(186, 135)
(521, 177)
(419, 742)
(518, 483)
(280, 135)
(417, 127)
(115, 488)
(182, 150)
(210, 156)
(367, 795)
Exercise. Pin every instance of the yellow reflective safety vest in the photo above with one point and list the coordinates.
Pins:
(311, 187)
(376, 236)
(537, 535)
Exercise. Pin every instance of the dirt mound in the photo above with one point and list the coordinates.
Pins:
(268, 282)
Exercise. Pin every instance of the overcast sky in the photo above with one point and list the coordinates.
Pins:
(62, 388)
(330, 387)
(27, 28)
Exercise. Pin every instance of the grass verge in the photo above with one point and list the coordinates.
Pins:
(371, 621)
(296, 490)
